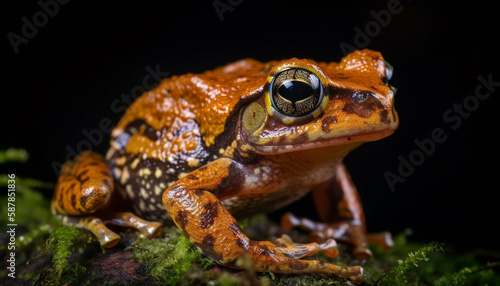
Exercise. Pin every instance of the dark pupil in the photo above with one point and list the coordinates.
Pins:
(295, 90)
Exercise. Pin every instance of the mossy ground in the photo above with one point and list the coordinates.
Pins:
(50, 254)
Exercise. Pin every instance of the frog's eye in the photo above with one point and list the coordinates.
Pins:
(296, 91)
(388, 73)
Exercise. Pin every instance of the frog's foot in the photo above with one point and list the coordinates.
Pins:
(204, 219)
(342, 231)
(278, 258)
(83, 190)
(97, 222)
(299, 250)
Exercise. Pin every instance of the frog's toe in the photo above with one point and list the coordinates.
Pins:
(330, 248)
(348, 232)
(289, 221)
(126, 219)
(285, 259)
(363, 253)
(382, 239)
(97, 222)
(96, 226)
(299, 250)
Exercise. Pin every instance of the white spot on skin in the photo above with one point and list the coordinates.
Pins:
(110, 153)
(130, 191)
(158, 190)
(144, 193)
(266, 170)
(169, 136)
(160, 206)
(158, 173)
(251, 181)
(115, 145)
(144, 172)
(260, 174)
(118, 172)
(125, 176)
(231, 202)
(135, 163)
(171, 159)
(152, 207)
(142, 205)
(193, 162)
(121, 161)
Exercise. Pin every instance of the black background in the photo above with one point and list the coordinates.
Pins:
(66, 77)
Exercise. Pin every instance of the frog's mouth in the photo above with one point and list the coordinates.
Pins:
(349, 142)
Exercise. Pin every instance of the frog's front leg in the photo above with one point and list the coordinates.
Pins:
(193, 204)
(82, 194)
(339, 207)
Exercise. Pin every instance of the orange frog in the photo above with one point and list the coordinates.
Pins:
(202, 149)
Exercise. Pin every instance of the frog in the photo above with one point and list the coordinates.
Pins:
(203, 150)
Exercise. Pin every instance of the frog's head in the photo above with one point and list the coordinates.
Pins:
(308, 105)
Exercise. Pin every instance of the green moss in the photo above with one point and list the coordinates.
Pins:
(13, 155)
(309, 280)
(226, 279)
(172, 260)
(78, 274)
(479, 275)
(64, 241)
(411, 263)
(169, 259)
(399, 274)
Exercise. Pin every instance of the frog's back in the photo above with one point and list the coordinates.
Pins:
(178, 127)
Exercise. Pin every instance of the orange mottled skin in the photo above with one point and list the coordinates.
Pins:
(200, 149)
